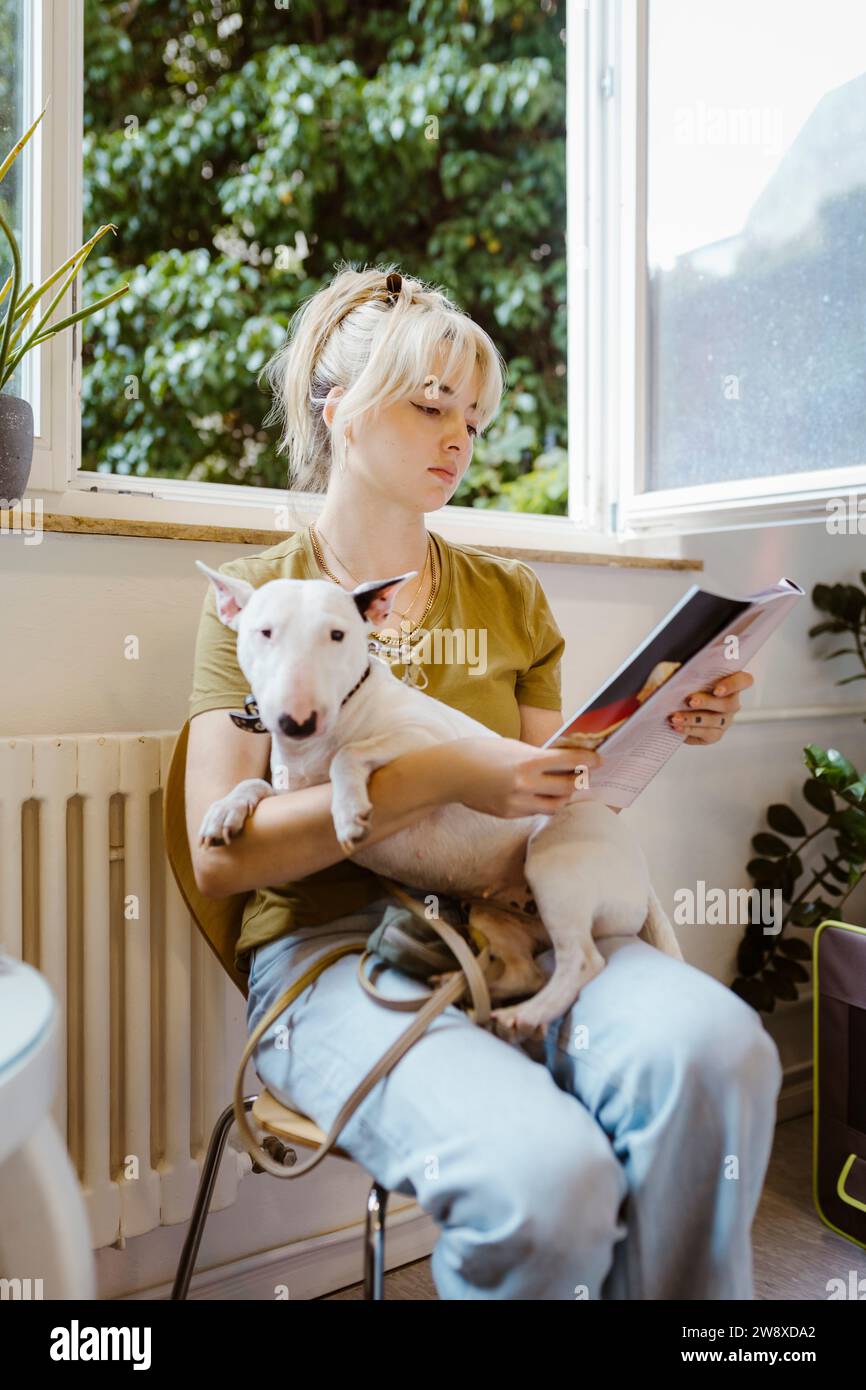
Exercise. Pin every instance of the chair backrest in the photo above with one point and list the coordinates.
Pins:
(219, 919)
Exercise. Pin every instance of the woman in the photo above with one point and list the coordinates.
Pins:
(621, 1157)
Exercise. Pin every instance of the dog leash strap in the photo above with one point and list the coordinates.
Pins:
(475, 968)
(434, 1006)
(471, 975)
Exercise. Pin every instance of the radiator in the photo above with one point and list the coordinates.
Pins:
(149, 1027)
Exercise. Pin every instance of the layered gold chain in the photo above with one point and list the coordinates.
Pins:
(381, 643)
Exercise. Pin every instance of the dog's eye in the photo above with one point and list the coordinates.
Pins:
(337, 635)
(266, 632)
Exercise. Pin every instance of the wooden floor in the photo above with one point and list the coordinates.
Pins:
(795, 1254)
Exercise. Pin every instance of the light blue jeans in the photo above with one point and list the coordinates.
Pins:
(622, 1157)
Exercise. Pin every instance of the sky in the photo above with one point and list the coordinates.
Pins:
(709, 59)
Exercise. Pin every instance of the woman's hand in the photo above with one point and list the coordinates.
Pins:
(715, 712)
(504, 777)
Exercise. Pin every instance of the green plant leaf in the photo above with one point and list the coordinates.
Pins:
(791, 969)
(751, 955)
(756, 993)
(769, 845)
(855, 792)
(852, 821)
(784, 819)
(819, 795)
(762, 870)
(795, 947)
(782, 987)
(830, 766)
(840, 874)
(822, 596)
(811, 913)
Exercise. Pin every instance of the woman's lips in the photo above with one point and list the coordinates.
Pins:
(445, 474)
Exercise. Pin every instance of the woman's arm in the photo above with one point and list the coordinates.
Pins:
(291, 835)
(537, 725)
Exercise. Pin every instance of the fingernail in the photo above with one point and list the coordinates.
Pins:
(719, 690)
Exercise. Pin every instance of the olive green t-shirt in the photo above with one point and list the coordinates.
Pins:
(488, 644)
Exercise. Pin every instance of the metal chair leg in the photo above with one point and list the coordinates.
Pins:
(374, 1243)
(209, 1171)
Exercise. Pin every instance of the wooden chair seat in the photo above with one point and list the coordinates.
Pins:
(271, 1115)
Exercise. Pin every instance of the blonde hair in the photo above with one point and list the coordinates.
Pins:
(379, 347)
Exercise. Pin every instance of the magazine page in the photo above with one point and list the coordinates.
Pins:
(704, 637)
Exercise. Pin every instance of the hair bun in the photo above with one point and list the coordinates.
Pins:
(394, 283)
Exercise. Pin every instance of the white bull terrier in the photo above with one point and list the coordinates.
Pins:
(336, 711)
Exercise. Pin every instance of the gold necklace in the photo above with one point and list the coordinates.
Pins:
(431, 552)
(376, 639)
(401, 613)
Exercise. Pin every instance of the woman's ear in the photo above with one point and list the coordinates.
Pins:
(330, 405)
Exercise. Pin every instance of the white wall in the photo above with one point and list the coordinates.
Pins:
(69, 603)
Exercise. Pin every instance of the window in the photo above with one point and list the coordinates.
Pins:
(748, 317)
(626, 204)
(755, 327)
(242, 150)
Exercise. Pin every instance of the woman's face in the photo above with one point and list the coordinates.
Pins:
(419, 448)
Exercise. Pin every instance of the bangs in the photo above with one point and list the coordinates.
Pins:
(434, 346)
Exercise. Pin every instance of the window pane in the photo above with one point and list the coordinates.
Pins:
(14, 119)
(243, 150)
(756, 239)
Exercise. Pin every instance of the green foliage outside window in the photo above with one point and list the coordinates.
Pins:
(244, 148)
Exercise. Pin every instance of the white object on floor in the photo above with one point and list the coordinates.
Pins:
(44, 1232)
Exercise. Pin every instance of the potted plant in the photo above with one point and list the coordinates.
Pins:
(770, 967)
(18, 335)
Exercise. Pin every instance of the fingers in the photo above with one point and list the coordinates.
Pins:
(737, 680)
(717, 709)
(567, 759)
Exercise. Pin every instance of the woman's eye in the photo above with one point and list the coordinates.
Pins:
(266, 632)
(337, 635)
(435, 409)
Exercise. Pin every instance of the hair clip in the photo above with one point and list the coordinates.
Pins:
(250, 720)
(394, 283)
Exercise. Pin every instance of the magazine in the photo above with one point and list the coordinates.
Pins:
(703, 638)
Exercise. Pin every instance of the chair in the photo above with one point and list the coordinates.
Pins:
(219, 920)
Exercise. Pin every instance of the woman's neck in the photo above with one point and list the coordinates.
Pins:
(368, 546)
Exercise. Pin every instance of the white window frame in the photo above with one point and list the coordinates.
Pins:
(606, 134)
(57, 478)
(776, 500)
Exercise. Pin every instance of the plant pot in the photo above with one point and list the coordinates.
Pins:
(16, 447)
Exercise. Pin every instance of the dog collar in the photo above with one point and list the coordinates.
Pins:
(248, 718)
(358, 682)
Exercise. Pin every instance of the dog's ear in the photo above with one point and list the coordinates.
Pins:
(231, 595)
(374, 597)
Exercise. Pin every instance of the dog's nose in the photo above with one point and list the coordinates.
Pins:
(293, 729)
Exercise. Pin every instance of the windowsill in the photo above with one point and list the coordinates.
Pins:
(185, 515)
(70, 524)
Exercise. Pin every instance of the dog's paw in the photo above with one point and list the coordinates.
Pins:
(513, 1023)
(352, 822)
(224, 819)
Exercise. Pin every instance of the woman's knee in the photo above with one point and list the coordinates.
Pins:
(543, 1190)
(728, 1044)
